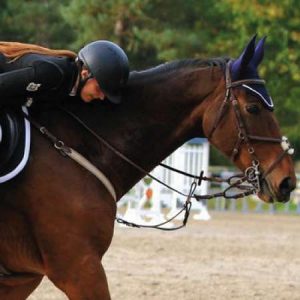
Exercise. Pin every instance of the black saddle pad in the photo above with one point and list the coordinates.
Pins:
(12, 140)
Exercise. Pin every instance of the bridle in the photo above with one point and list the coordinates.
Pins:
(253, 173)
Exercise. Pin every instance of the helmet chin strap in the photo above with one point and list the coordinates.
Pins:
(82, 82)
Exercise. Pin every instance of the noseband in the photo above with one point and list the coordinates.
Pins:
(253, 173)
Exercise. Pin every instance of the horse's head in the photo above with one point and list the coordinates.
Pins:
(242, 125)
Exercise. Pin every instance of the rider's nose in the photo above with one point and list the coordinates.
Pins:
(99, 94)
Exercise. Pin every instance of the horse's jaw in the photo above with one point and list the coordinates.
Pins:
(266, 194)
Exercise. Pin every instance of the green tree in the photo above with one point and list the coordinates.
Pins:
(119, 21)
(36, 21)
(150, 31)
(161, 30)
(155, 31)
(280, 22)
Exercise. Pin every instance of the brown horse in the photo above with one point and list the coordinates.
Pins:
(57, 219)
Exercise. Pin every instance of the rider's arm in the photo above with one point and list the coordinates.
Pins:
(41, 76)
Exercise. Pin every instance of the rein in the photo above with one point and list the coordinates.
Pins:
(234, 181)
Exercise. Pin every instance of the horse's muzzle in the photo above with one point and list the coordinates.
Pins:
(285, 188)
(282, 194)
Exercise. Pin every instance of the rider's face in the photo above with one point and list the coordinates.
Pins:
(91, 90)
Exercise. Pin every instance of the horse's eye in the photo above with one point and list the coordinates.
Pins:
(253, 109)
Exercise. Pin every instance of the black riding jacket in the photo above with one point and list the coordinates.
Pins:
(36, 76)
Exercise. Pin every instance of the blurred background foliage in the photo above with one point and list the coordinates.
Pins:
(155, 31)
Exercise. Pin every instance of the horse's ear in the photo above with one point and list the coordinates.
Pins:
(259, 52)
(242, 62)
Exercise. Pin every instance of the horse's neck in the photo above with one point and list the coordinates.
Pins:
(148, 127)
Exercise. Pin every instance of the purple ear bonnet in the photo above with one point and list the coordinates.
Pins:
(245, 67)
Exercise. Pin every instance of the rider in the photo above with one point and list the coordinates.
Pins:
(31, 72)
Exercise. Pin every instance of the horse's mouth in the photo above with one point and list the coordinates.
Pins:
(269, 195)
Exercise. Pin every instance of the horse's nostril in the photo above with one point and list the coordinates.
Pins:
(286, 186)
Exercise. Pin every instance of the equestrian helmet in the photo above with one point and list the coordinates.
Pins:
(108, 64)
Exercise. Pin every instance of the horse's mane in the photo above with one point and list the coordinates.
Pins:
(163, 70)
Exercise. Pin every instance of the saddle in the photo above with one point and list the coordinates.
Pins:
(14, 142)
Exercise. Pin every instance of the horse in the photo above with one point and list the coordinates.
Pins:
(57, 218)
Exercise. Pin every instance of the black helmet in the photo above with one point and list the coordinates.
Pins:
(109, 65)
